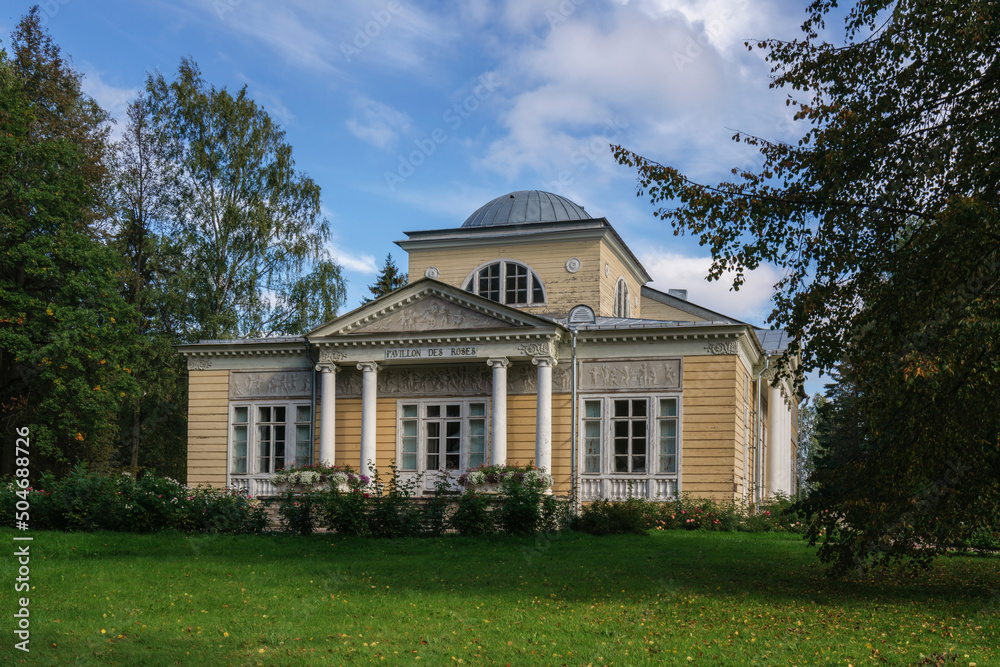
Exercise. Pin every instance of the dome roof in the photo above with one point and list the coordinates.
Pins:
(525, 207)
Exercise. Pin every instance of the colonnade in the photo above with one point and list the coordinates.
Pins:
(498, 430)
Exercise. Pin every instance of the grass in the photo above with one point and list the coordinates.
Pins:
(670, 598)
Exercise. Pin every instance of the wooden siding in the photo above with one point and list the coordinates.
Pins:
(654, 310)
(563, 289)
(521, 412)
(618, 269)
(712, 427)
(348, 432)
(208, 427)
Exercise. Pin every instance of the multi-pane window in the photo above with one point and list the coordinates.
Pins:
(592, 428)
(442, 435)
(621, 306)
(629, 428)
(271, 428)
(241, 426)
(268, 437)
(630, 435)
(666, 427)
(507, 281)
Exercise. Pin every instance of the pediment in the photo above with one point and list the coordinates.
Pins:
(430, 313)
(428, 306)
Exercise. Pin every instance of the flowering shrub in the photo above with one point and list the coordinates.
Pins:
(319, 473)
(85, 500)
(500, 474)
(685, 513)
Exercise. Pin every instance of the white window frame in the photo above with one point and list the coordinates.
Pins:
(465, 436)
(605, 460)
(622, 307)
(291, 440)
(471, 283)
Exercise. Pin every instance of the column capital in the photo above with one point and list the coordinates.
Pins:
(327, 368)
(368, 366)
(495, 362)
(544, 361)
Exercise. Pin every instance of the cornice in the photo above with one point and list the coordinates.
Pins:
(356, 341)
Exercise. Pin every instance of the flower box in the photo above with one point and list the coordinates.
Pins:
(317, 478)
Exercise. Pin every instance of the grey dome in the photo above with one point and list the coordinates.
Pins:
(525, 207)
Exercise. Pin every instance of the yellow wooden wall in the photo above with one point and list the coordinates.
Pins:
(711, 435)
(712, 427)
(521, 412)
(617, 269)
(208, 427)
(563, 289)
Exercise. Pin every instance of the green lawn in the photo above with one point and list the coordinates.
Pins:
(670, 598)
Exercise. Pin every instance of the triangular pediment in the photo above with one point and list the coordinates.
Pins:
(428, 305)
(431, 313)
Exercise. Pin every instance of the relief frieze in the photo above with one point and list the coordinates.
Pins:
(729, 347)
(328, 356)
(630, 375)
(280, 384)
(450, 381)
(429, 314)
(199, 363)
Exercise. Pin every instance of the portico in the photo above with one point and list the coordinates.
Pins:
(434, 341)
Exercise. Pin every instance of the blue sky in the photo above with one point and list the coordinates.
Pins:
(410, 115)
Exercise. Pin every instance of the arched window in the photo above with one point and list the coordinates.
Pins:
(621, 308)
(507, 281)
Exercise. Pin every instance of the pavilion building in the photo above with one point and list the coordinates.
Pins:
(527, 334)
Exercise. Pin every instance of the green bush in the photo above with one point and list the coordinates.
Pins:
(520, 509)
(603, 517)
(86, 500)
(393, 511)
(297, 512)
(686, 513)
(472, 515)
(344, 512)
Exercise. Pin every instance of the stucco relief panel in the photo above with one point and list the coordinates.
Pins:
(630, 375)
(430, 314)
(450, 381)
(286, 384)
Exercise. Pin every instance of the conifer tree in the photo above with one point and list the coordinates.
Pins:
(389, 278)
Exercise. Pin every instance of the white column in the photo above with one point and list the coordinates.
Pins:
(369, 396)
(498, 446)
(328, 415)
(543, 414)
(775, 415)
(785, 481)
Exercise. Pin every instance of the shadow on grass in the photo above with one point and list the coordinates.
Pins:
(771, 568)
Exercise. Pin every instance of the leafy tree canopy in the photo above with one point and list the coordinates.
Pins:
(61, 110)
(250, 224)
(66, 336)
(884, 216)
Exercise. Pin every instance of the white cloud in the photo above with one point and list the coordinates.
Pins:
(332, 37)
(361, 263)
(671, 270)
(673, 71)
(111, 98)
(376, 123)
